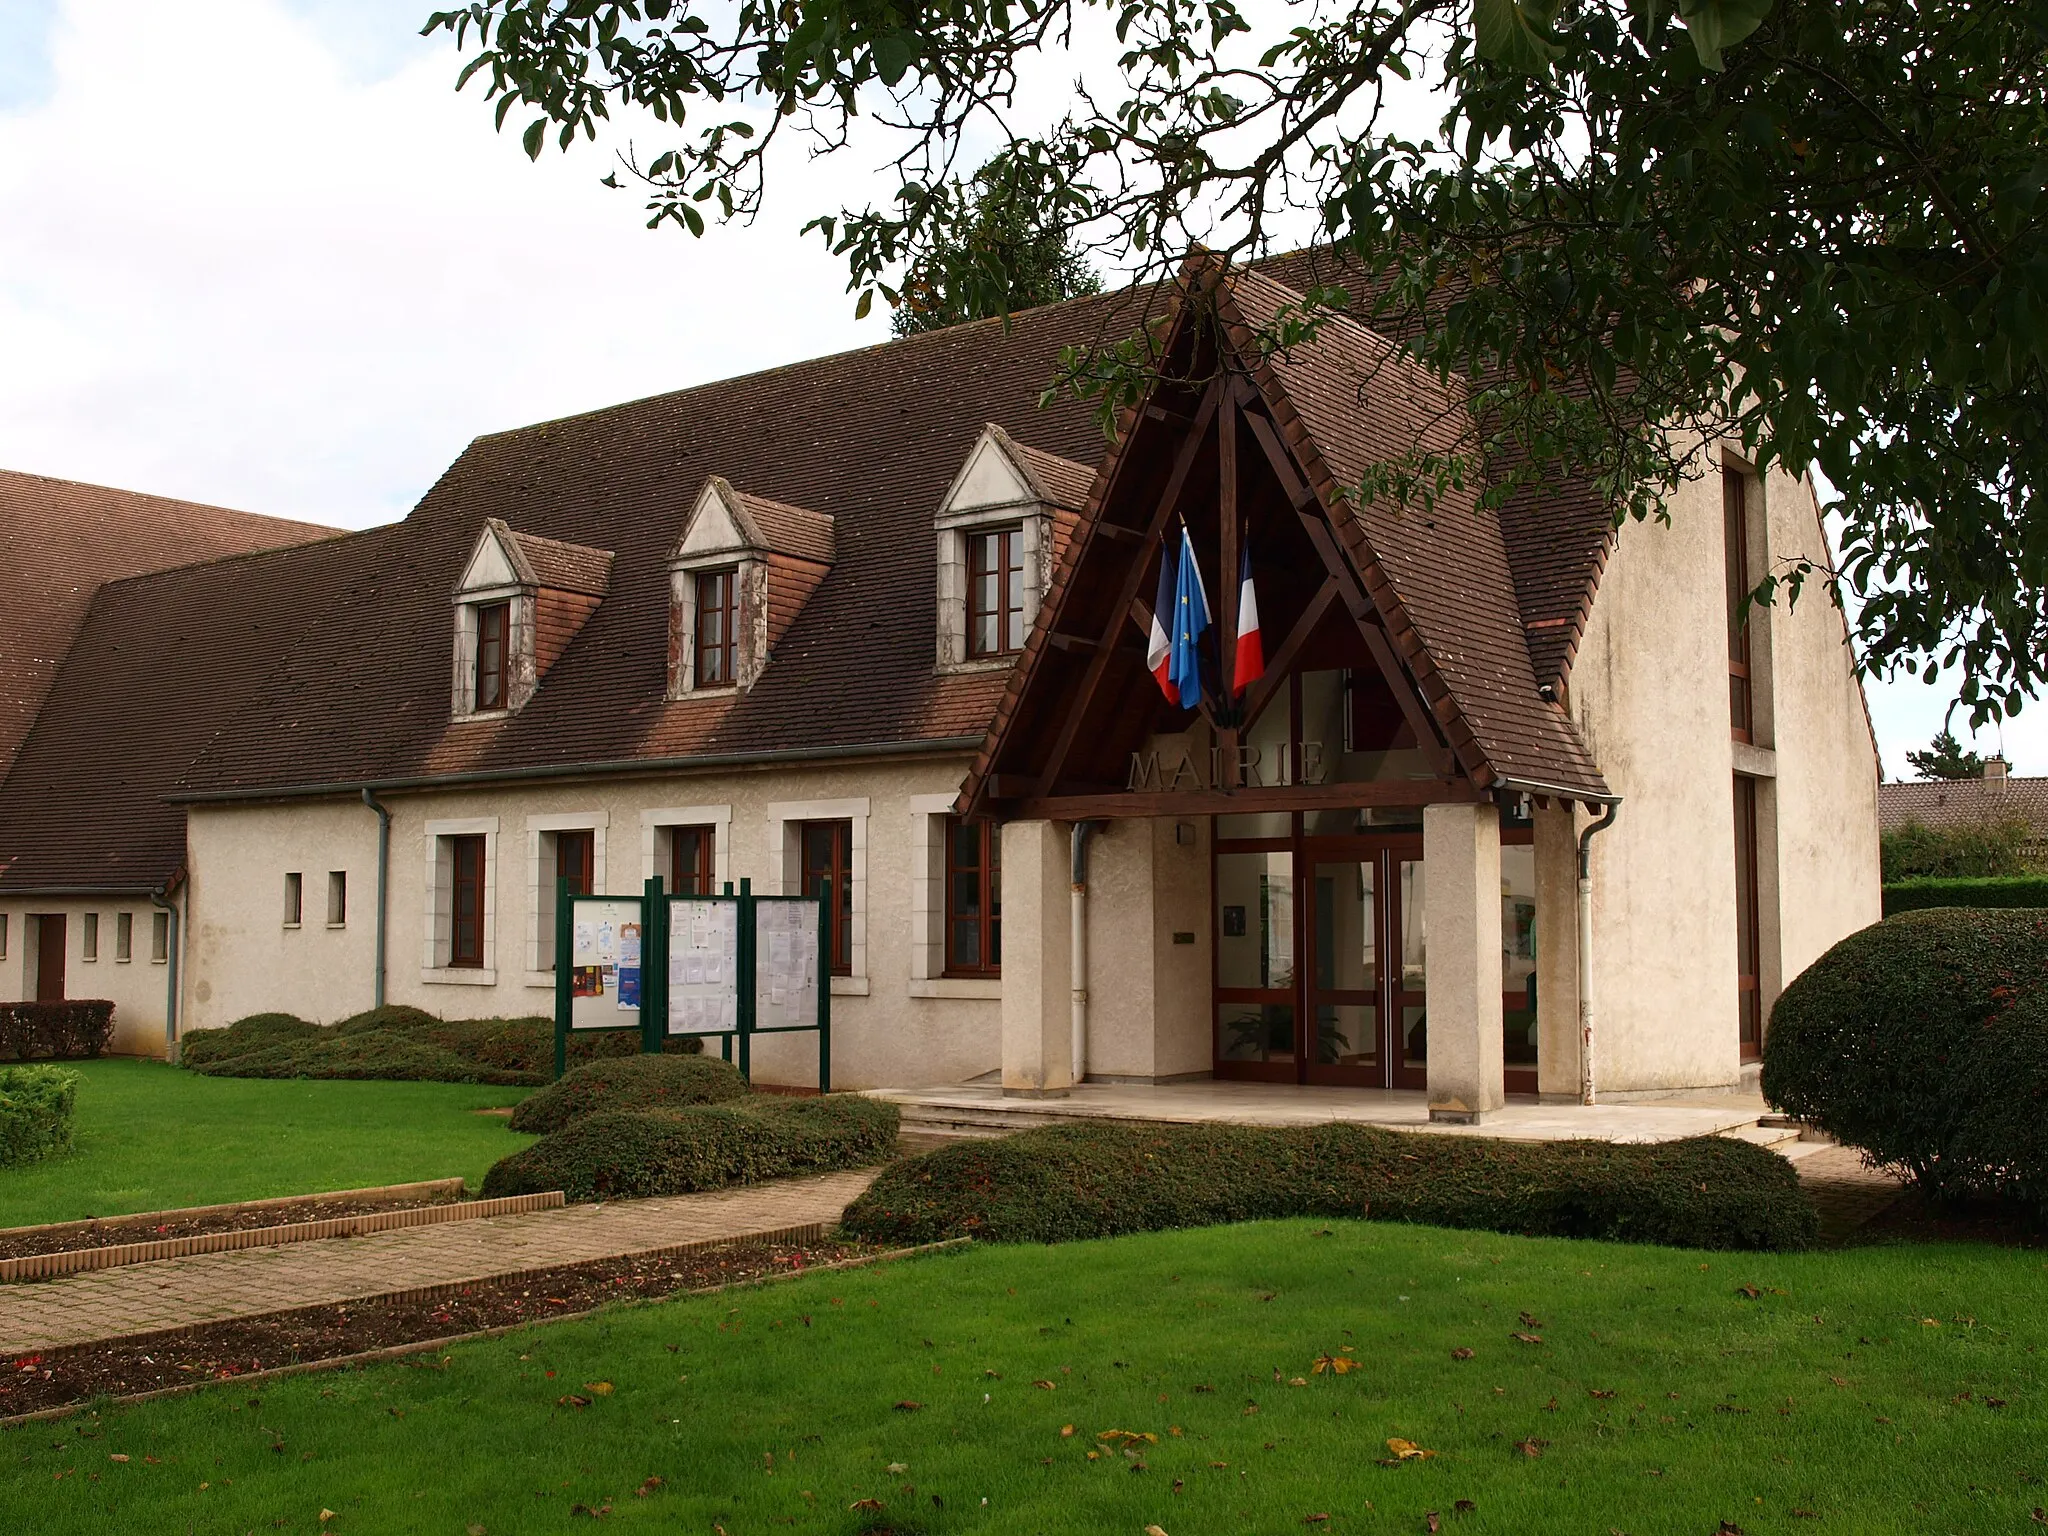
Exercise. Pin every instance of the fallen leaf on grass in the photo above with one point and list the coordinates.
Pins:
(1408, 1450)
(896, 1468)
(1127, 1437)
(646, 1489)
(1432, 1521)
(1066, 1431)
(1525, 1338)
(1531, 1321)
(1336, 1365)
(602, 1512)
(867, 1506)
(476, 1530)
(601, 1388)
(572, 1400)
(1153, 1530)
(1994, 1402)
(1464, 1507)
(1461, 1353)
(1728, 1528)
(117, 1456)
(1314, 1519)
(1531, 1448)
(907, 1406)
(326, 1515)
(1044, 1386)
(1597, 1392)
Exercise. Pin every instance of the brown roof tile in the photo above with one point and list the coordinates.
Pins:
(564, 567)
(59, 540)
(786, 530)
(1955, 802)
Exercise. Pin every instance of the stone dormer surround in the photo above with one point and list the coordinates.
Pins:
(550, 588)
(779, 554)
(1003, 483)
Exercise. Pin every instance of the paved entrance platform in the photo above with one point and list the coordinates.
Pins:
(977, 1109)
(204, 1288)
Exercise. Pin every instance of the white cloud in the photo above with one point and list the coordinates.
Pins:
(259, 255)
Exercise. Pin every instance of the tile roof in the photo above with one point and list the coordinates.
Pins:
(328, 665)
(564, 567)
(59, 540)
(1951, 802)
(1446, 569)
(787, 530)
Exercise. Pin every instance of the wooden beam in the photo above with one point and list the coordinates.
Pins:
(1117, 531)
(1217, 802)
(1134, 576)
(1405, 695)
(1282, 661)
(1226, 573)
(1069, 642)
(1297, 489)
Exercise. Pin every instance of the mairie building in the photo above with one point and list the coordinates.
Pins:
(1506, 802)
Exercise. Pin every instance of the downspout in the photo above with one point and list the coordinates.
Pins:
(160, 898)
(1079, 957)
(1606, 819)
(383, 876)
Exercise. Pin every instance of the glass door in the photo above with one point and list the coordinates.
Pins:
(1256, 952)
(1342, 1007)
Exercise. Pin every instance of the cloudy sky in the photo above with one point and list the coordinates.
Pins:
(257, 252)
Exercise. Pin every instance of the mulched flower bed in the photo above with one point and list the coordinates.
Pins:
(237, 1347)
(116, 1230)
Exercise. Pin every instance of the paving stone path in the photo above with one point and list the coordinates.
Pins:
(1843, 1190)
(173, 1293)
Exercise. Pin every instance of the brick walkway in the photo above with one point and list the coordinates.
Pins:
(173, 1293)
(1843, 1191)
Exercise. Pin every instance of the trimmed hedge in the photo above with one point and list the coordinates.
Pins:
(404, 1043)
(1062, 1183)
(36, 1106)
(621, 1154)
(629, 1082)
(1923, 1040)
(75, 1029)
(2005, 891)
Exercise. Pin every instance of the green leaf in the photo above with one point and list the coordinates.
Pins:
(894, 54)
(1717, 24)
(1516, 34)
(530, 141)
(867, 302)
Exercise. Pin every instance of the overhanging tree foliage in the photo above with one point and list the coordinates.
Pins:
(1012, 260)
(1809, 230)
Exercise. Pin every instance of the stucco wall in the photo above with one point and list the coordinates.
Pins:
(138, 987)
(1649, 690)
(243, 960)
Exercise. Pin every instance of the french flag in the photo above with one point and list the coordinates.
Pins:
(1158, 648)
(1250, 662)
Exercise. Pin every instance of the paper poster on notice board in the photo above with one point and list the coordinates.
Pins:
(786, 953)
(703, 966)
(604, 963)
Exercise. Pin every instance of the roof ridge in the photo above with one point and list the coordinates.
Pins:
(335, 536)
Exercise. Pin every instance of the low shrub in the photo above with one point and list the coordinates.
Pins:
(382, 1054)
(400, 1016)
(206, 1046)
(616, 1154)
(2005, 891)
(36, 1104)
(1066, 1182)
(628, 1082)
(1923, 1040)
(74, 1029)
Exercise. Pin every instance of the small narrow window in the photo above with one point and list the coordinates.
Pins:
(466, 901)
(827, 860)
(159, 937)
(1735, 545)
(124, 935)
(337, 898)
(576, 859)
(693, 861)
(974, 898)
(91, 936)
(493, 636)
(1748, 935)
(3, 935)
(995, 592)
(294, 898)
(716, 639)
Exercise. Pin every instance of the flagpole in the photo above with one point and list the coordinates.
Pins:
(1227, 576)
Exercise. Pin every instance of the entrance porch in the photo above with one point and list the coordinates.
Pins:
(983, 1109)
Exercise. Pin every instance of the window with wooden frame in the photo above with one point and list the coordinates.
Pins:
(159, 938)
(1735, 546)
(995, 592)
(1748, 928)
(337, 898)
(717, 661)
(974, 898)
(576, 859)
(124, 936)
(693, 861)
(294, 899)
(466, 901)
(826, 849)
(90, 939)
(493, 655)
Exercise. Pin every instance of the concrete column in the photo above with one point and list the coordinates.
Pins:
(1461, 874)
(1037, 960)
(1557, 954)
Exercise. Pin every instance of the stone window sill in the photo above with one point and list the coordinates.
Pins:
(989, 988)
(459, 976)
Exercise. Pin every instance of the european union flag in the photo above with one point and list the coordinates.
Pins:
(1190, 619)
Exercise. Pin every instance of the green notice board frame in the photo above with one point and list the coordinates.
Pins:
(796, 960)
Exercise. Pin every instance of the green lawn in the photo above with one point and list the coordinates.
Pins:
(1854, 1385)
(151, 1136)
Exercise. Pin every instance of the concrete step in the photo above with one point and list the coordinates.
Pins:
(961, 1120)
(1775, 1137)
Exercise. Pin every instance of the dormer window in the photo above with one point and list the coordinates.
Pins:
(493, 648)
(1000, 529)
(519, 603)
(995, 592)
(717, 627)
(738, 577)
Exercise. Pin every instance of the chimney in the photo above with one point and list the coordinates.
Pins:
(1994, 770)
